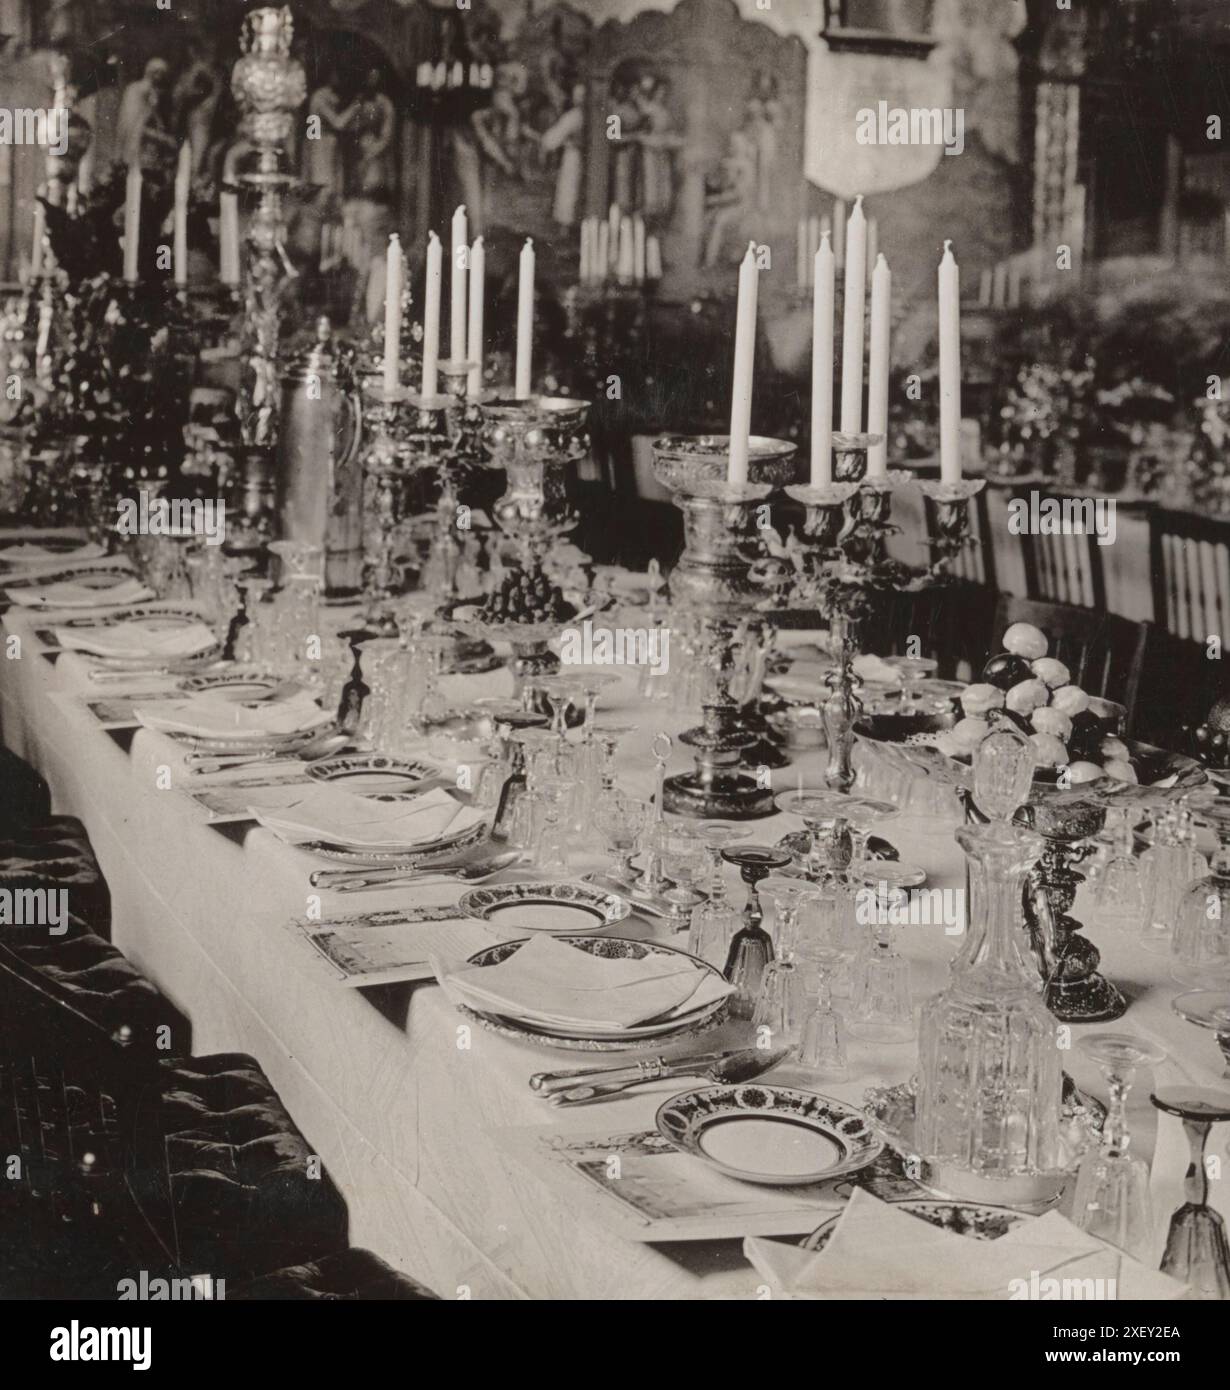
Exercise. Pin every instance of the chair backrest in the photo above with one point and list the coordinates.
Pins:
(1064, 569)
(1104, 652)
(976, 561)
(951, 622)
(1189, 556)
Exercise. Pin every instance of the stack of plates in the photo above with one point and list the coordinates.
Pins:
(597, 993)
(47, 552)
(142, 640)
(361, 831)
(214, 720)
(106, 587)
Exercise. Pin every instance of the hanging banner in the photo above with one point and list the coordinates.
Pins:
(875, 123)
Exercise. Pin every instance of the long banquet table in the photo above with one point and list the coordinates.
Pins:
(405, 1115)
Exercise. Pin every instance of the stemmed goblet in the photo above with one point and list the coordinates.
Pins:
(621, 819)
(913, 669)
(1112, 1185)
(1197, 1251)
(715, 921)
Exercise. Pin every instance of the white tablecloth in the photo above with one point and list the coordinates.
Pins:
(404, 1116)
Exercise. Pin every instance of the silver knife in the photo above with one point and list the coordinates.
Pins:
(544, 1082)
(739, 1066)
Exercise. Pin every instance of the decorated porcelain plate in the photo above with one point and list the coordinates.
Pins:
(544, 907)
(239, 686)
(374, 775)
(94, 577)
(419, 857)
(973, 1219)
(772, 1135)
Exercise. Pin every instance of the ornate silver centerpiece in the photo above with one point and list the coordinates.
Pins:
(268, 86)
(724, 579)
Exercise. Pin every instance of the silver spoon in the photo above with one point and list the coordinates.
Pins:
(318, 746)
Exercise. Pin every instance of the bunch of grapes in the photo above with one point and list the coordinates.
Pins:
(525, 598)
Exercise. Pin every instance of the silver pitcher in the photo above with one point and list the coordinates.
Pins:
(320, 478)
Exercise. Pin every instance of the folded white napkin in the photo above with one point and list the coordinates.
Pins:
(70, 593)
(138, 640)
(28, 553)
(212, 716)
(873, 668)
(878, 1250)
(336, 817)
(547, 980)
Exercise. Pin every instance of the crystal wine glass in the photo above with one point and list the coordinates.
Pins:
(1201, 945)
(621, 820)
(1197, 1251)
(881, 1010)
(822, 1050)
(1208, 1008)
(1112, 1185)
(715, 921)
(1120, 897)
(782, 1002)
(913, 669)
(551, 854)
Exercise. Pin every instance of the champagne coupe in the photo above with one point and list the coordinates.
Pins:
(1208, 1008)
(1112, 1185)
(913, 669)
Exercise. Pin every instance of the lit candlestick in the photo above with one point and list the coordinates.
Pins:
(638, 249)
(877, 368)
(839, 231)
(950, 367)
(853, 326)
(183, 179)
(132, 222)
(474, 344)
(228, 238)
(457, 286)
(825, 272)
(431, 315)
(745, 361)
(525, 322)
(392, 316)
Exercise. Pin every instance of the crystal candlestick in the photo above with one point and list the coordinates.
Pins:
(719, 581)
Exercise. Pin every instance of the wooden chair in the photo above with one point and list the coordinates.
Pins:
(976, 562)
(1104, 652)
(1189, 556)
(1064, 569)
(952, 623)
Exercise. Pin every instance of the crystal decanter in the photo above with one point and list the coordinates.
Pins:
(989, 1082)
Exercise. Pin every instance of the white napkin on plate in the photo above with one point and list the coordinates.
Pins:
(873, 668)
(336, 817)
(28, 553)
(70, 593)
(137, 641)
(212, 716)
(880, 1251)
(549, 981)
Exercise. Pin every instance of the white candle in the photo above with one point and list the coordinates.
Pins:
(853, 327)
(877, 367)
(132, 222)
(638, 249)
(626, 264)
(745, 361)
(457, 286)
(839, 230)
(825, 273)
(431, 315)
(40, 233)
(653, 258)
(586, 256)
(999, 294)
(813, 242)
(950, 367)
(800, 273)
(392, 316)
(614, 221)
(183, 178)
(474, 344)
(873, 245)
(603, 266)
(525, 322)
(1014, 285)
(228, 238)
